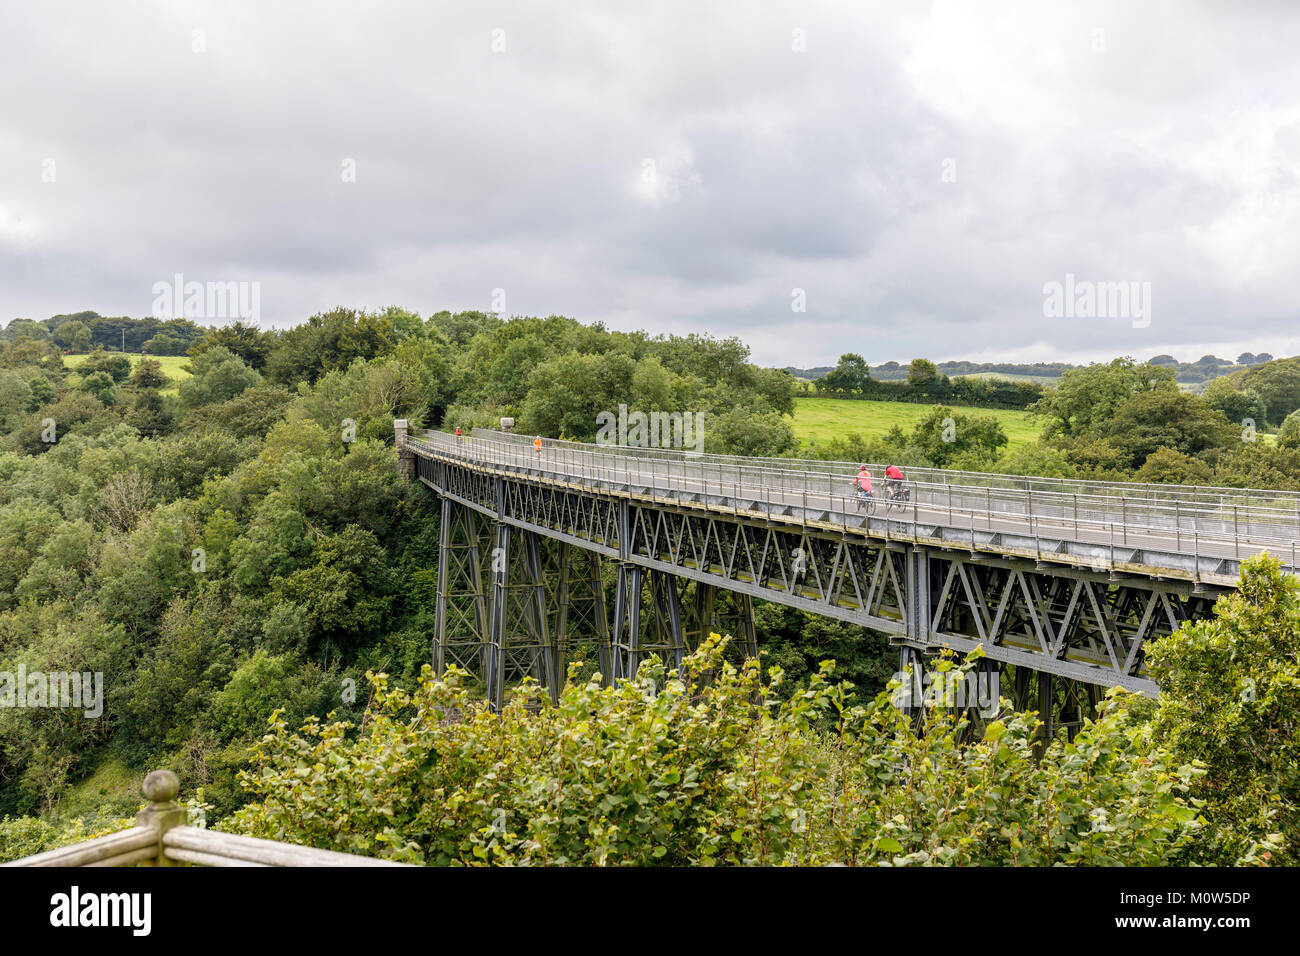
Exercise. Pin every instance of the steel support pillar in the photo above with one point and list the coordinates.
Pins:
(496, 667)
(460, 607)
(627, 622)
(1046, 703)
(920, 597)
(670, 640)
(519, 641)
(911, 670)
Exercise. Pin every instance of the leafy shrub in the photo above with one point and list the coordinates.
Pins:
(683, 770)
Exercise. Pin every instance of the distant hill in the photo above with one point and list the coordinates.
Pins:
(894, 371)
(1209, 367)
(1193, 374)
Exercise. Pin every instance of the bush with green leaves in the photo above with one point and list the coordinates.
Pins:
(27, 836)
(665, 769)
(1230, 699)
(711, 766)
(935, 797)
(218, 376)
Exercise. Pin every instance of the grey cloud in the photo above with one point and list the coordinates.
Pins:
(1171, 157)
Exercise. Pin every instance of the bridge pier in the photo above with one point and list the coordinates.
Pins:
(1046, 704)
(499, 633)
(405, 456)
(460, 609)
(703, 613)
(666, 625)
(576, 607)
(627, 621)
(911, 668)
(519, 643)
(741, 624)
(921, 596)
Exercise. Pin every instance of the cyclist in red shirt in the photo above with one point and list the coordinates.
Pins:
(894, 479)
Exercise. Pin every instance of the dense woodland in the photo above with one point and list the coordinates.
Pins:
(238, 543)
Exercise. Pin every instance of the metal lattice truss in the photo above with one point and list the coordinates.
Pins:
(1063, 615)
(669, 560)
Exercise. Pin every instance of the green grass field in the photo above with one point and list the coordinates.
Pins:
(826, 418)
(1015, 377)
(171, 366)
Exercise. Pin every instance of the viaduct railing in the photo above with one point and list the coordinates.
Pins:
(1206, 525)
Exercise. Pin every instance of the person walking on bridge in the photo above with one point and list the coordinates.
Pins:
(537, 445)
(458, 436)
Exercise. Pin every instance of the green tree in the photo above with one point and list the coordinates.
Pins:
(1167, 466)
(1165, 418)
(944, 435)
(849, 375)
(68, 333)
(43, 392)
(744, 432)
(1230, 699)
(15, 398)
(1237, 405)
(260, 685)
(149, 374)
(117, 366)
(922, 372)
(150, 414)
(346, 594)
(1089, 396)
(328, 341)
(164, 344)
(244, 339)
(100, 384)
(218, 375)
(1277, 383)
(251, 413)
(1288, 436)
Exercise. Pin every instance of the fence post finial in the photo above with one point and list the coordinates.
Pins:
(163, 812)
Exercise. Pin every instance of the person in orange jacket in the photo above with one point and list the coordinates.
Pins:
(537, 444)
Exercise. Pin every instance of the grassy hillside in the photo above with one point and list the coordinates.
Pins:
(172, 366)
(826, 418)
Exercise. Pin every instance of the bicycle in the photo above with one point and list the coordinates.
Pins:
(866, 502)
(898, 497)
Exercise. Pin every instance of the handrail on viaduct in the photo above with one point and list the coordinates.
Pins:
(1222, 525)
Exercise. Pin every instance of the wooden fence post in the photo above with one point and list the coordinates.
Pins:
(163, 812)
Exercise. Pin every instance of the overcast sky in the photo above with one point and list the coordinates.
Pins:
(919, 171)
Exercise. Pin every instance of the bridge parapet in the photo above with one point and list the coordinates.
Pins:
(1111, 527)
(1198, 498)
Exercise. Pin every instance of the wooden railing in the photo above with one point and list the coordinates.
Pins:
(161, 837)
